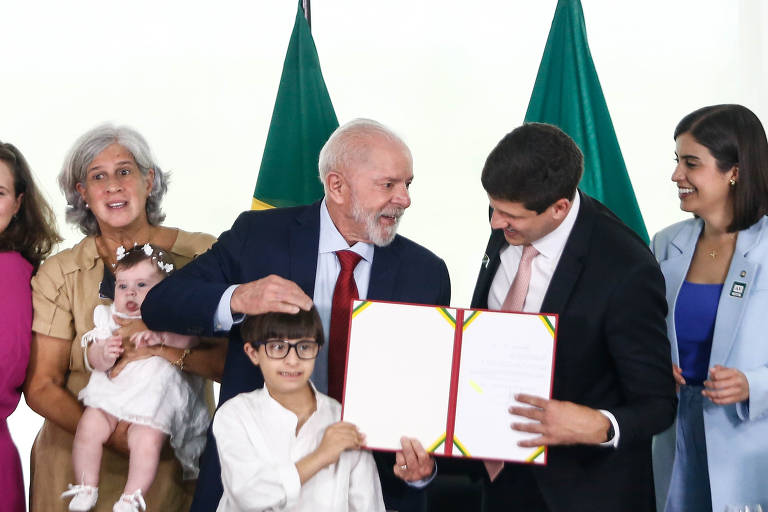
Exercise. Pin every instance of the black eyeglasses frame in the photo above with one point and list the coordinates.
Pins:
(294, 346)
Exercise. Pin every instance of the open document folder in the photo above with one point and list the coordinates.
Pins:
(446, 376)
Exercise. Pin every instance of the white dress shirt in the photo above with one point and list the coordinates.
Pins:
(328, 269)
(543, 266)
(259, 447)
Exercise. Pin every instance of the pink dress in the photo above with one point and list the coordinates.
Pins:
(15, 332)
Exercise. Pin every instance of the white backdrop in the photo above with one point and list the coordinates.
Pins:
(199, 79)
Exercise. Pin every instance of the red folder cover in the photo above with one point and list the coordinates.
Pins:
(446, 376)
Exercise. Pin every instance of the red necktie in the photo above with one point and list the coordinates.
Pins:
(343, 293)
(515, 301)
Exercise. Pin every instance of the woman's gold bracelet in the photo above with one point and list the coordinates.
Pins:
(180, 361)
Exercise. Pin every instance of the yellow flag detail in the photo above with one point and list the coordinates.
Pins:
(260, 205)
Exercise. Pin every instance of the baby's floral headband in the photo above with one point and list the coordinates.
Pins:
(153, 254)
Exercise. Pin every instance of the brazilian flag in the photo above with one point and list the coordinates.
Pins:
(302, 121)
(567, 94)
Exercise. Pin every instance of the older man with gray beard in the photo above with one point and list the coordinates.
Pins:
(286, 259)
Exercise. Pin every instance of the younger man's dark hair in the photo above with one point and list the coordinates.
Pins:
(535, 164)
(283, 325)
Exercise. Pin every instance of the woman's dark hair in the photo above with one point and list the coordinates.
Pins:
(283, 325)
(32, 231)
(735, 137)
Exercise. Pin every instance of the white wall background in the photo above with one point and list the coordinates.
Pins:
(199, 79)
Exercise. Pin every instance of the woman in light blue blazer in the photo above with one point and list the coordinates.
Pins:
(716, 271)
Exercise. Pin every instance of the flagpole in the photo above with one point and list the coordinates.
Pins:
(307, 12)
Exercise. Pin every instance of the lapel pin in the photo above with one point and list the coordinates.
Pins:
(743, 273)
(737, 289)
(486, 261)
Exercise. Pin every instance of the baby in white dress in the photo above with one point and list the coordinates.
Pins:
(152, 394)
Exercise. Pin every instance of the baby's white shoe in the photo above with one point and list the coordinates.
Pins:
(130, 503)
(85, 497)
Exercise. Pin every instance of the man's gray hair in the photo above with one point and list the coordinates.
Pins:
(344, 147)
(88, 147)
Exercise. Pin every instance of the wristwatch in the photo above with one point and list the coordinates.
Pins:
(610, 433)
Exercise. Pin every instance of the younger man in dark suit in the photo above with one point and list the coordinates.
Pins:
(556, 250)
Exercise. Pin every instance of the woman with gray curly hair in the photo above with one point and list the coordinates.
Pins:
(114, 189)
(73, 178)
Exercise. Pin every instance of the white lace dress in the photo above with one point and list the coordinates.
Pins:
(150, 392)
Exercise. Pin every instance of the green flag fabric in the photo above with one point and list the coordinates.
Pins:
(302, 121)
(567, 94)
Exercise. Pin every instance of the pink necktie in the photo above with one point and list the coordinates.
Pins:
(515, 301)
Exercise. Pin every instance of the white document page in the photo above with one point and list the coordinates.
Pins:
(398, 373)
(399, 368)
(502, 354)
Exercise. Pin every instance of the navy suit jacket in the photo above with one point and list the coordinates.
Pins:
(612, 353)
(284, 242)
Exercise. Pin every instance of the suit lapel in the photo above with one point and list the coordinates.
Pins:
(488, 268)
(733, 299)
(304, 241)
(386, 263)
(675, 268)
(570, 266)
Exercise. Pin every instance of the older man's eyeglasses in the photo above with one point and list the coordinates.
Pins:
(279, 349)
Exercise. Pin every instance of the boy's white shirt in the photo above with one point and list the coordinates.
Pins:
(258, 450)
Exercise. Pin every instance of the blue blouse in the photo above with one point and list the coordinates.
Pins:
(695, 315)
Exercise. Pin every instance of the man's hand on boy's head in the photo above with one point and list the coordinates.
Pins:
(413, 463)
(271, 294)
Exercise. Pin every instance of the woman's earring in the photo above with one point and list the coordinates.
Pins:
(732, 182)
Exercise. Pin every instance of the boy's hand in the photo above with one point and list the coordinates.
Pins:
(337, 438)
(112, 349)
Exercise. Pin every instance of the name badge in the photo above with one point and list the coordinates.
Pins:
(737, 289)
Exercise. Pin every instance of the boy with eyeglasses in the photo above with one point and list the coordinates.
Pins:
(282, 447)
